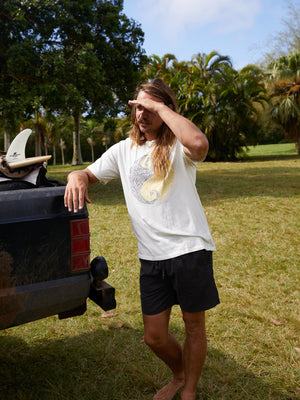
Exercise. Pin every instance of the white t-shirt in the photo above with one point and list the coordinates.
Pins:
(166, 214)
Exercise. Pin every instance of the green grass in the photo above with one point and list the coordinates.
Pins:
(253, 335)
(272, 150)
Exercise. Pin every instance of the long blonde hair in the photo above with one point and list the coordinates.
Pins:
(165, 138)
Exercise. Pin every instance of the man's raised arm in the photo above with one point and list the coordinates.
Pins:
(190, 136)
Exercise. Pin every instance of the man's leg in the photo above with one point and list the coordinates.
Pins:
(166, 347)
(194, 352)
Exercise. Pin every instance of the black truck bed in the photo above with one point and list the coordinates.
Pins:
(45, 258)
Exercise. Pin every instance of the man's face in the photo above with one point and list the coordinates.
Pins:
(148, 122)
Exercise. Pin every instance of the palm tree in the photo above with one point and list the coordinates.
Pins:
(62, 146)
(90, 127)
(240, 96)
(285, 95)
(203, 73)
(217, 98)
(285, 108)
(64, 126)
(159, 67)
(207, 66)
(38, 125)
(92, 143)
(223, 102)
(199, 98)
(53, 130)
(285, 67)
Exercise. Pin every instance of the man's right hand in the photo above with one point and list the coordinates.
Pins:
(76, 192)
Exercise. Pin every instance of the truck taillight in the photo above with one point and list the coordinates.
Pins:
(80, 245)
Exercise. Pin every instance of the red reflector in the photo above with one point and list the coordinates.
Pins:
(80, 227)
(80, 245)
(81, 263)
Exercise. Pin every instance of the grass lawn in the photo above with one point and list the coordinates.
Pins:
(272, 150)
(253, 335)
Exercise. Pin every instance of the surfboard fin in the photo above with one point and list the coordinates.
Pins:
(15, 155)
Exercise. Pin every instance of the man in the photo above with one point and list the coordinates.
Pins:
(157, 167)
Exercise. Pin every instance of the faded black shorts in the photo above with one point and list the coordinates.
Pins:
(187, 280)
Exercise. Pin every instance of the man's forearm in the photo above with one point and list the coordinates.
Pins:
(189, 135)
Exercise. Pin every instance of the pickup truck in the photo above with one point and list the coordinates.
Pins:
(45, 264)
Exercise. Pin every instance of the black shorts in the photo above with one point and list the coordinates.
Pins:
(186, 280)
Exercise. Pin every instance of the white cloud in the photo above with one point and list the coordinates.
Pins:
(174, 17)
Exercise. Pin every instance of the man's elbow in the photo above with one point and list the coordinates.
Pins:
(200, 150)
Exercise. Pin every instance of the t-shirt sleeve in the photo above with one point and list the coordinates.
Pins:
(106, 167)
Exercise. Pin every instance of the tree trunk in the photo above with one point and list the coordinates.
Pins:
(6, 140)
(92, 149)
(38, 151)
(54, 155)
(46, 146)
(62, 146)
(77, 157)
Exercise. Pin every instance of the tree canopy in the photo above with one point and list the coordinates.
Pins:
(68, 68)
(220, 100)
(285, 94)
(67, 56)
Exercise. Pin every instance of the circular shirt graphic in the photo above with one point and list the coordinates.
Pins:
(146, 187)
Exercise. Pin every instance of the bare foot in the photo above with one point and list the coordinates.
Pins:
(169, 391)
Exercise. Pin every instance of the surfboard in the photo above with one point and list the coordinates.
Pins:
(28, 161)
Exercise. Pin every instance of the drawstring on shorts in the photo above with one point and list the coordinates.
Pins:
(161, 267)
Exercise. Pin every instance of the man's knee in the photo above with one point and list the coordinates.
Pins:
(155, 339)
(194, 323)
(156, 329)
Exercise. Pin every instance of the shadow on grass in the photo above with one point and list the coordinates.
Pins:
(113, 365)
(248, 182)
(221, 184)
(278, 157)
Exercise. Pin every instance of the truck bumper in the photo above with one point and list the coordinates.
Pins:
(65, 297)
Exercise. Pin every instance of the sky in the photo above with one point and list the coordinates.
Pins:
(240, 29)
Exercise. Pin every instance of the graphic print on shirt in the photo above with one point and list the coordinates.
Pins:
(146, 187)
